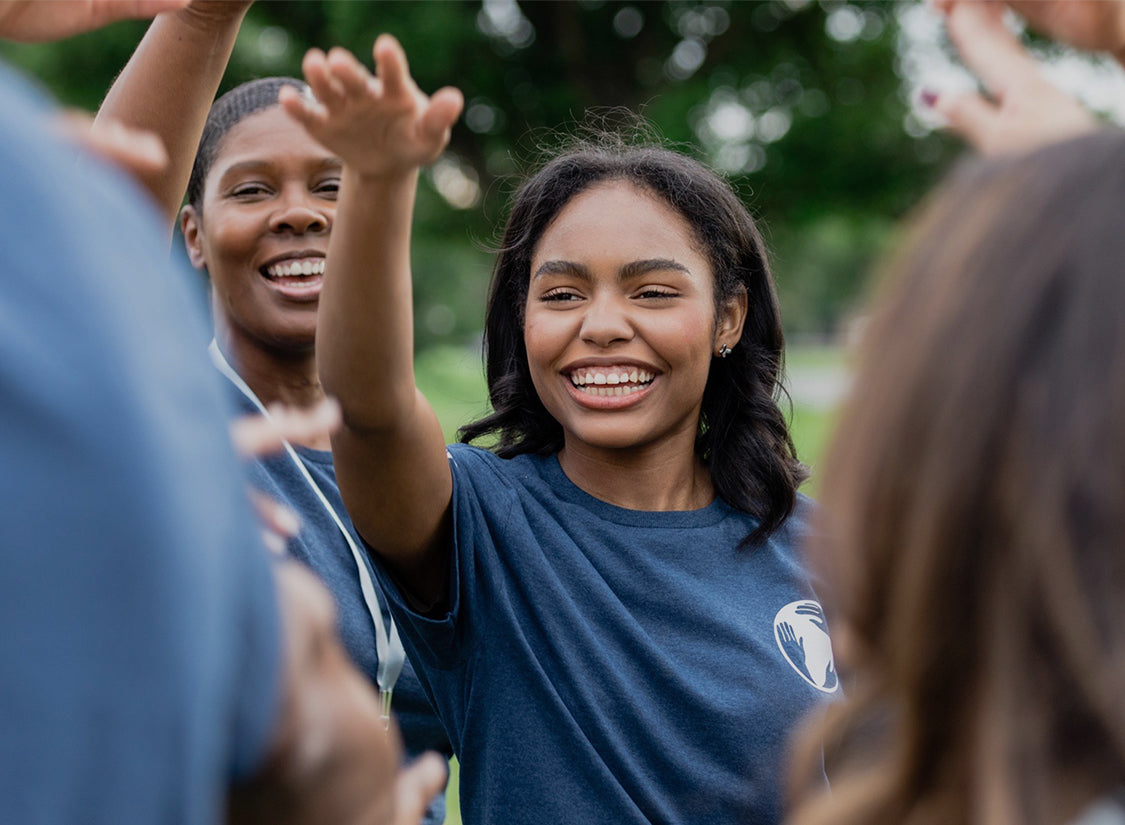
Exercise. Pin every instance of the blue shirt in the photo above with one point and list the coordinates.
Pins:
(599, 664)
(139, 637)
(322, 547)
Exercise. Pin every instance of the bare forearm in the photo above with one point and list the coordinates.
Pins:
(168, 85)
(365, 334)
(390, 453)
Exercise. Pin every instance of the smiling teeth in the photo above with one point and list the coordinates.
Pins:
(620, 389)
(614, 381)
(293, 269)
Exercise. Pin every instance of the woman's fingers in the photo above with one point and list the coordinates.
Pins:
(416, 785)
(308, 113)
(139, 152)
(442, 112)
(279, 523)
(968, 114)
(391, 66)
(257, 435)
(987, 46)
(349, 74)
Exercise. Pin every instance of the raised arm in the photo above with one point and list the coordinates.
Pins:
(168, 85)
(390, 453)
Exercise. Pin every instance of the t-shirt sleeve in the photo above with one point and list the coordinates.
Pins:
(481, 501)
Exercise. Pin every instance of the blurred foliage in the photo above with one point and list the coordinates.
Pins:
(797, 101)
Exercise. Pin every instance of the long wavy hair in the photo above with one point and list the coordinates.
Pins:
(743, 436)
(974, 502)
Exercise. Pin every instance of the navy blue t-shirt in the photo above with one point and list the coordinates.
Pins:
(139, 636)
(599, 664)
(322, 547)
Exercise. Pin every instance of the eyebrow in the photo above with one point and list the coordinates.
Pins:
(257, 165)
(630, 270)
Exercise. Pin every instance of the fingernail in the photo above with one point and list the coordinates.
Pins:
(928, 98)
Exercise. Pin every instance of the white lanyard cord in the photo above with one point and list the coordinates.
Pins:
(387, 647)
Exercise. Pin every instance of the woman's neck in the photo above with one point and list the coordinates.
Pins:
(652, 479)
(276, 376)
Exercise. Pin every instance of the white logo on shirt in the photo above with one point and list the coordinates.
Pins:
(802, 636)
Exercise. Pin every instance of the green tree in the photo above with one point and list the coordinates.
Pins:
(796, 101)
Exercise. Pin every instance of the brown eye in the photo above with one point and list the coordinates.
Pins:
(328, 189)
(559, 296)
(249, 190)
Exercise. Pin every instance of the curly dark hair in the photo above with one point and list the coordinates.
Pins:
(743, 436)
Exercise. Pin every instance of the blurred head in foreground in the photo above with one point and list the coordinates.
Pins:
(974, 533)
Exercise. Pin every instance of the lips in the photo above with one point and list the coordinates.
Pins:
(297, 276)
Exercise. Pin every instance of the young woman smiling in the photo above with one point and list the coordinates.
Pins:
(608, 607)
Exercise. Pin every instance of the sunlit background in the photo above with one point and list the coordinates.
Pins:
(811, 108)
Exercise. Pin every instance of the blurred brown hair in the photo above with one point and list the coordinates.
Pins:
(974, 510)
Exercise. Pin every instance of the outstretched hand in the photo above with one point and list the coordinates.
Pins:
(255, 436)
(1023, 109)
(380, 125)
(137, 151)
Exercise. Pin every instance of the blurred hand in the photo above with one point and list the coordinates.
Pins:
(37, 21)
(255, 436)
(136, 151)
(1023, 110)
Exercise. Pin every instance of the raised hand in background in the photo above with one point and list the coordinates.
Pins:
(1022, 109)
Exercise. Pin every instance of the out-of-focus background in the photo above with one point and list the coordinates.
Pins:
(811, 109)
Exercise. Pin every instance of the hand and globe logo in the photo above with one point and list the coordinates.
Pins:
(802, 636)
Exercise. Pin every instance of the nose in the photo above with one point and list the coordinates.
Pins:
(606, 320)
(299, 213)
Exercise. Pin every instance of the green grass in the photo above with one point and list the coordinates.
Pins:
(813, 356)
(453, 381)
(811, 428)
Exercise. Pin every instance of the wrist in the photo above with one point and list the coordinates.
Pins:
(215, 15)
(405, 176)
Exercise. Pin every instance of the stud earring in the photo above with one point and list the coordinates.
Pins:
(724, 351)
